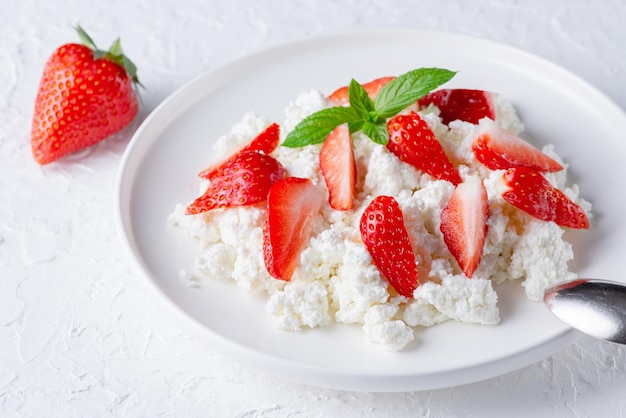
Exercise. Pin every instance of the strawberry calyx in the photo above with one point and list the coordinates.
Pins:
(113, 54)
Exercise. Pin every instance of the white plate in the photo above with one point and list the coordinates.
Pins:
(160, 165)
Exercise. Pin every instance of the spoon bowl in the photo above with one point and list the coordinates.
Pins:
(592, 306)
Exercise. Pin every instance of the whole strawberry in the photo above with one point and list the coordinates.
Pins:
(85, 95)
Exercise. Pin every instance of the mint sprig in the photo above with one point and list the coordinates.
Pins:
(365, 114)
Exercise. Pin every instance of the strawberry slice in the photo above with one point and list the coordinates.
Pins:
(498, 148)
(265, 142)
(464, 223)
(292, 204)
(529, 191)
(340, 96)
(385, 236)
(412, 140)
(245, 180)
(462, 104)
(339, 168)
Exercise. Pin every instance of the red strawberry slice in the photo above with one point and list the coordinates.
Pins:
(340, 96)
(462, 104)
(498, 148)
(464, 223)
(292, 204)
(265, 142)
(245, 180)
(339, 168)
(529, 191)
(385, 236)
(412, 140)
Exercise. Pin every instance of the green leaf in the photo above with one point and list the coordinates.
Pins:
(114, 54)
(98, 53)
(88, 42)
(85, 39)
(315, 128)
(116, 48)
(131, 69)
(408, 88)
(356, 125)
(376, 132)
(359, 99)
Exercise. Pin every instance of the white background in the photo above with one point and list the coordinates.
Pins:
(77, 339)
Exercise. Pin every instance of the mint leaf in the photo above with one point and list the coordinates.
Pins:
(315, 128)
(355, 126)
(406, 89)
(359, 99)
(376, 132)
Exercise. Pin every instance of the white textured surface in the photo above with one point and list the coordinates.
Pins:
(77, 339)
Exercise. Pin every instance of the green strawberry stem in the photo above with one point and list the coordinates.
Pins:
(114, 54)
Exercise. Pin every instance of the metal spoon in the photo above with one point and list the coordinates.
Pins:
(594, 307)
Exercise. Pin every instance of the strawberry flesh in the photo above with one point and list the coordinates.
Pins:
(461, 104)
(464, 224)
(498, 148)
(529, 191)
(385, 236)
(339, 168)
(340, 96)
(245, 180)
(292, 204)
(412, 140)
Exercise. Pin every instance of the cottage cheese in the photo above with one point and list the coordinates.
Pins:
(336, 281)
